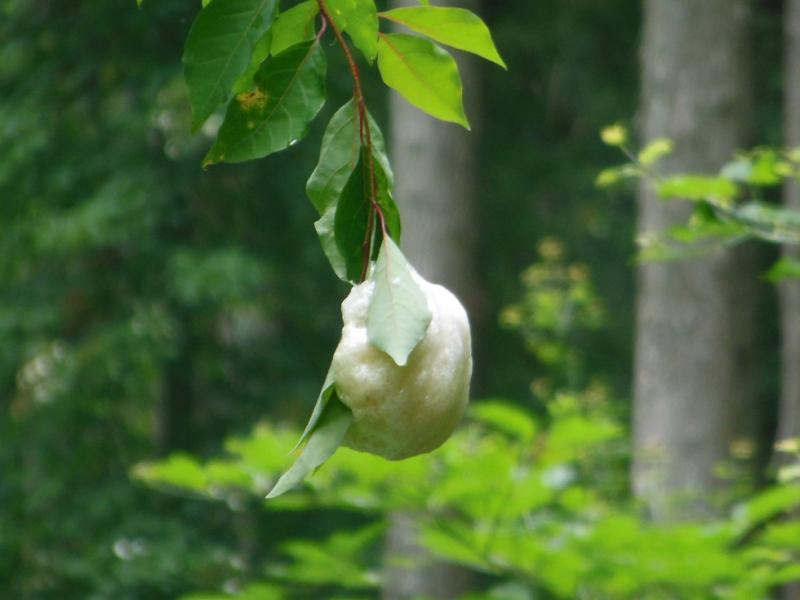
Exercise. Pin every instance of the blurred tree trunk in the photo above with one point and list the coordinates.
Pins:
(435, 166)
(789, 412)
(789, 416)
(695, 319)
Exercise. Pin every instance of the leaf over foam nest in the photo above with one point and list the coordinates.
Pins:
(398, 315)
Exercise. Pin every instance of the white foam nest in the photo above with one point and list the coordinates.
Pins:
(404, 411)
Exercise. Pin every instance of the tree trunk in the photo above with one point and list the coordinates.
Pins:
(435, 166)
(789, 416)
(789, 411)
(689, 380)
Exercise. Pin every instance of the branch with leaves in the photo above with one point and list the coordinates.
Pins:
(729, 207)
(268, 68)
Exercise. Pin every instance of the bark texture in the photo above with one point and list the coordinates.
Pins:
(436, 180)
(691, 380)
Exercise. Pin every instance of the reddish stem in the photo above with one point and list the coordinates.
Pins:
(364, 133)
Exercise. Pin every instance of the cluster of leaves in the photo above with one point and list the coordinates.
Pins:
(268, 68)
(559, 307)
(728, 208)
(553, 522)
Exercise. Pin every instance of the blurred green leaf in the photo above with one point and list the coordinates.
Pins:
(655, 150)
(696, 187)
(506, 418)
(785, 268)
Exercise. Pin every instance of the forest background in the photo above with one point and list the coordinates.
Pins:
(150, 309)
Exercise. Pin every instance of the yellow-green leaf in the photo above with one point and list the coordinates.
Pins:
(360, 20)
(424, 74)
(456, 27)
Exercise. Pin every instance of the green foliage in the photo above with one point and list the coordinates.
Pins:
(549, 523)
(729, 206)
(559, 308)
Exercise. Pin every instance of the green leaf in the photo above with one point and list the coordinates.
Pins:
(785, 268)
(339, 156)
(456, 27)
(178, 470)
(260, 54)
(360, 20)
(290, 91)
(398, 314)
(218, 50)
(352, 219)
(697, 187)
(323, 441)
(342, 225)
(327, 237)
(424, 74)
(388, 206)
(505, 417)
(655, 150)
(322, 401)
(294, 26)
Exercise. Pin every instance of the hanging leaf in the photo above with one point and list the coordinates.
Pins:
(343, 227)
(388, 206)
(294, 26)
(398, 314)
(340, 165)
(322, 401)
(339, 156)
(456, 27)
(326, 437)
(290, 91)
(360, 20)
(424, 74)
(218, 51)
(352, 219)
(327, 238)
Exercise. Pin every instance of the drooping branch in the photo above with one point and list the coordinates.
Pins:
(365, 135)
